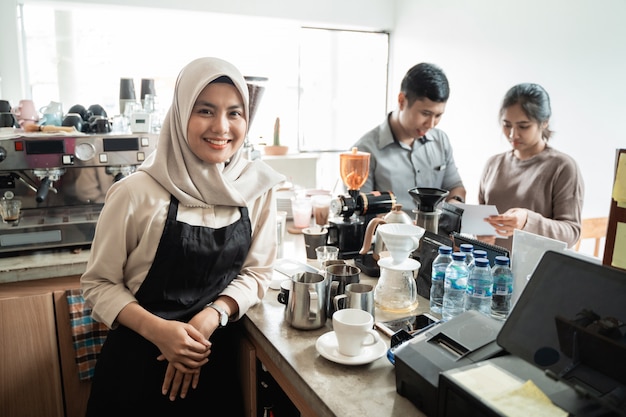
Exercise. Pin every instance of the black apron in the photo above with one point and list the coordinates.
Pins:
(192, 266)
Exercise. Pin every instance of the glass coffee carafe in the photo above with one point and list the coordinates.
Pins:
(396, 290)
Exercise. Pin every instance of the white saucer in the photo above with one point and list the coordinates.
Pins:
(326, 345)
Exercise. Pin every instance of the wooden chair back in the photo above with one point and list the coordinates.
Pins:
(593, 228)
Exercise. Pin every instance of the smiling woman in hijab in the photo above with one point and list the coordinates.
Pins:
(183, 248)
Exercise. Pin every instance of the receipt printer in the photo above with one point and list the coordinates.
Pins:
(463, 340)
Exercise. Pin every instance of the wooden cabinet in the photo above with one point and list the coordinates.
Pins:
(30, 376)
(38, 371)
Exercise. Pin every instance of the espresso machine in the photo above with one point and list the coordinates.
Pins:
(61, 181)
(352, 212)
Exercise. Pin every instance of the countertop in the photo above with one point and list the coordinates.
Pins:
(28, 266)
(317, 386)
(330, 389)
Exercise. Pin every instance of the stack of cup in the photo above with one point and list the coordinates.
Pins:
(281, 223)
(127, 93)
(26, 113)
(7, 118)
(147, 89)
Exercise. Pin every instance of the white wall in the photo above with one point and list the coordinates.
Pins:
(573, 48)
(345, 14)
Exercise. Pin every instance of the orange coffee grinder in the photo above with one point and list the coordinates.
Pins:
(352, 212)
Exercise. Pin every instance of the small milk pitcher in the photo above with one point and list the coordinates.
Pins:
(306, 306)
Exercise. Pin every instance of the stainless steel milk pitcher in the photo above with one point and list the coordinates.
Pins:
(306, 306)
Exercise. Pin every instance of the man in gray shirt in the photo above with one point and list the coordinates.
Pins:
(407, 151)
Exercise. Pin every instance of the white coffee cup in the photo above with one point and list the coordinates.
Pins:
(354, 329)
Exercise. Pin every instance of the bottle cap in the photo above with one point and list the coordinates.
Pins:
(466, 247)
(458, 256)
(445, 249)
(502, 260)
(481, 262)
(479, 253)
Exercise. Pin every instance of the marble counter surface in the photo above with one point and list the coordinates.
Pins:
(43, 264)
(329, 388)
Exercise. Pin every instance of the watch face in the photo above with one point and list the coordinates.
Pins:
(223, 318)
(222, 313)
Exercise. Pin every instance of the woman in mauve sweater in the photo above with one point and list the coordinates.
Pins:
(534, 187)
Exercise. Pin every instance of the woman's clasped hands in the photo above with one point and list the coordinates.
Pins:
(186, 349)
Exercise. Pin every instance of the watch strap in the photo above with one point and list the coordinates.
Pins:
(223, 314)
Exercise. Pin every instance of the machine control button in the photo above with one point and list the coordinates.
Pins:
(3, 154)
(145, 142)
(104, 158)
(141, 156)
(68, 159)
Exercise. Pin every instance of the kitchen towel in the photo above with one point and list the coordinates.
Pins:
(88, 335)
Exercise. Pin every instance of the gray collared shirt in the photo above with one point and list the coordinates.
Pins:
(398, 167)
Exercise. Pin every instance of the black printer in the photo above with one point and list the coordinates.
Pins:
(465, 339)
(566, 334)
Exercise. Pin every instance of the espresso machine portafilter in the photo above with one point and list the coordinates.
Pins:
(61, 182)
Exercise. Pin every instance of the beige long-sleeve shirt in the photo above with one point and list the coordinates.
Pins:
(128, 233)
(549, 185)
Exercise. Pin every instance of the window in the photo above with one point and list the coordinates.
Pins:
(327, 86)
(342, 92)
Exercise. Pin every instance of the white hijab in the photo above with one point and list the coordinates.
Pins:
(196, 183)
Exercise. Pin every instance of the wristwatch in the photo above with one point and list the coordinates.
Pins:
(457, 198)
(223, 314)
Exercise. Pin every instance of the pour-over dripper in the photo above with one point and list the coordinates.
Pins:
(400, 239)
(427, 199)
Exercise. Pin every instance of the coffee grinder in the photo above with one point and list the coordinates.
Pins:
(352, 212)
(427, 212)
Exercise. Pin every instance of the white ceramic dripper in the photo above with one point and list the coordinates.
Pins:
(396, 290)
(400, 239)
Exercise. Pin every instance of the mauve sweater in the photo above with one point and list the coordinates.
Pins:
(549, 185)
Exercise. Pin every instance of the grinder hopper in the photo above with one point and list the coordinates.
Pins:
(427, 200)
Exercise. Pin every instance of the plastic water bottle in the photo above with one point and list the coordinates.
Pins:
(479, 287)
(479, 253)
(437, 276)
(502, 288)
(468, 250)
(454, 287)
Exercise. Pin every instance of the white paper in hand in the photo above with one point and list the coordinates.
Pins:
(473, 220)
